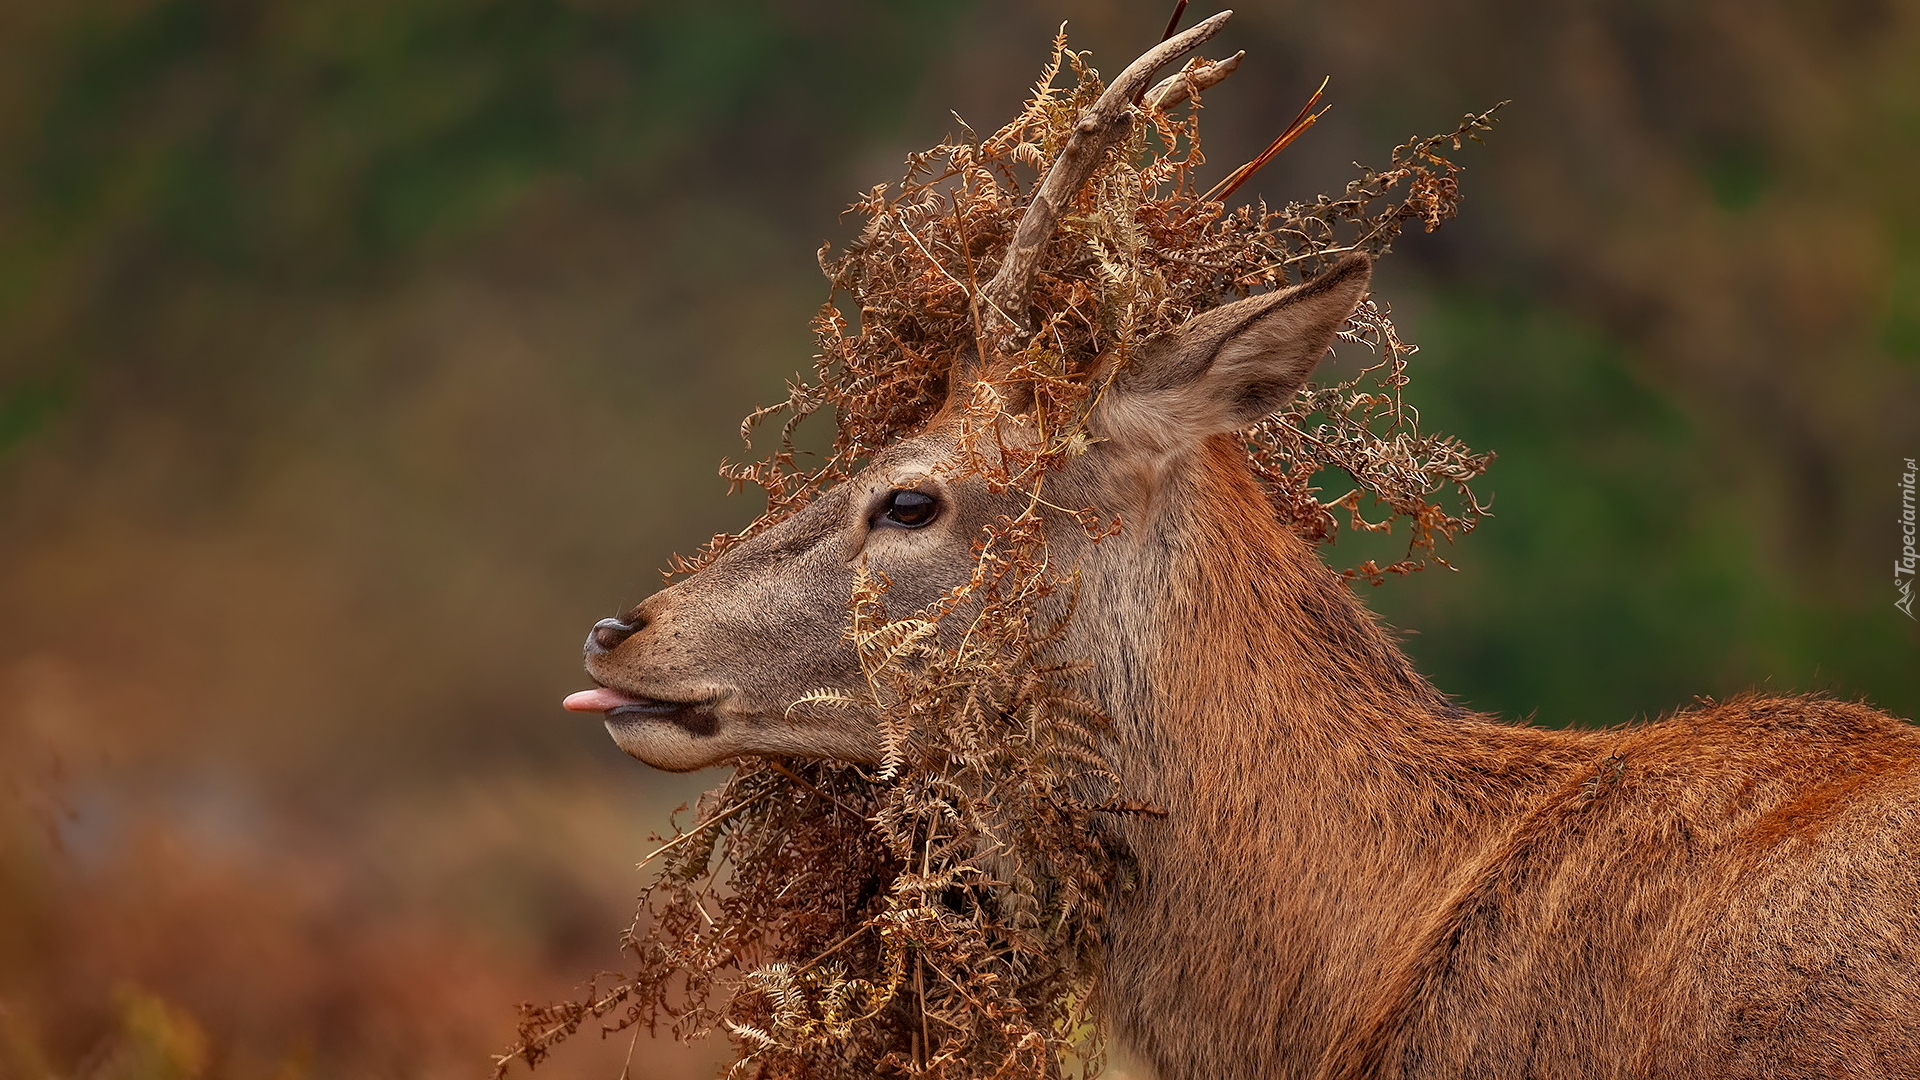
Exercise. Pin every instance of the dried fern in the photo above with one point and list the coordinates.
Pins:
(940, 916)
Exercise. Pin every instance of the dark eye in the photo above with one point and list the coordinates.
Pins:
(907, 510)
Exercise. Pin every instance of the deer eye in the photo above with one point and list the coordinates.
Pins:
(907, 510)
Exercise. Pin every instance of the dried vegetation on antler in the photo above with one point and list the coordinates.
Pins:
(939, 917)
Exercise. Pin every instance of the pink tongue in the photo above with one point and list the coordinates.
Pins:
(599, 700)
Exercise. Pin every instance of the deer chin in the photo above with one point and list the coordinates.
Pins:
(681, 736)
(680, 740)
(678, 736)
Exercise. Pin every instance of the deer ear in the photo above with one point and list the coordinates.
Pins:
(1233, 366)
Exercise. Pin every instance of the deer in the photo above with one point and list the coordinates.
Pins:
(1354, 877)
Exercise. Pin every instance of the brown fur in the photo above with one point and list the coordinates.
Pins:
(1392, 888)
(1356, 878)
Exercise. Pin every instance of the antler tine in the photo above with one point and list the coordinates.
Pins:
(1182, 85)
(1104, 123)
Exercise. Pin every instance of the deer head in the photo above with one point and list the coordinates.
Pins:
(709, 668)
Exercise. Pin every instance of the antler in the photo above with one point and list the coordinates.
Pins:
(1198, 76)
(1004, 299)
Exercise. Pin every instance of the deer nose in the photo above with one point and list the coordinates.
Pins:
(607, 634)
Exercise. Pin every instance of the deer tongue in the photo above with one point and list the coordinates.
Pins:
(599, 699)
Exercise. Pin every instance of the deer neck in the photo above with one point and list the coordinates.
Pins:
(1315, 786)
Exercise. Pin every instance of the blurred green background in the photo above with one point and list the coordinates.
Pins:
(355, 356)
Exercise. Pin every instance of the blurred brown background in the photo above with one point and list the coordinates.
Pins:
(355, 355)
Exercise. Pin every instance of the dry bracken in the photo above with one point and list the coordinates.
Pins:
(939, 915)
